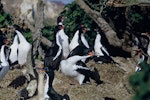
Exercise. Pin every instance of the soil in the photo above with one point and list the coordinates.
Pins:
(115, 85)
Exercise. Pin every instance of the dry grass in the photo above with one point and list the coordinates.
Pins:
(116, 84)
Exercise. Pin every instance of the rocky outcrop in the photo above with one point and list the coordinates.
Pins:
(25, 9)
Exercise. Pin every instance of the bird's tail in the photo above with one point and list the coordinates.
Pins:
(114, 62)
(95, 76)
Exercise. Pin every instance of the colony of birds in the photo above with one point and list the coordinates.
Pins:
(69, 58)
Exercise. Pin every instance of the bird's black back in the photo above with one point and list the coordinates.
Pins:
(79, 50)
(50, 54)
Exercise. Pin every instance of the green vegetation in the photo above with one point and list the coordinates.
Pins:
(5, 19)
(48, 32)
(76, 16)
(140, 83)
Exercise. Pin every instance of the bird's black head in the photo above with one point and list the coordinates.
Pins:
(60, 19)
(58, 27)
(16, 27)
(82, 28)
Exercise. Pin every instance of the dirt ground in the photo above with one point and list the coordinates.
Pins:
(115, 77)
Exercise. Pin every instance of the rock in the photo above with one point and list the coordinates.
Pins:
(25, 9)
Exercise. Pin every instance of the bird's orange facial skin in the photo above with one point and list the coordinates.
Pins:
(40, 67)
(91, 54)
(7, 41)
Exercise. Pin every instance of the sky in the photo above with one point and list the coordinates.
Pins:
(64, 1)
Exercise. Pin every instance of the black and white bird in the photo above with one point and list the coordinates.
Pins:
(142, 57)
(69, 67)
(101, 54)
(13, 57)
(64, 41)
(43, 86)
(79, 45)
(63, 38)
(54, 55)
(4, 65)
(23, 48)
(78, 38)
(46, 90)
